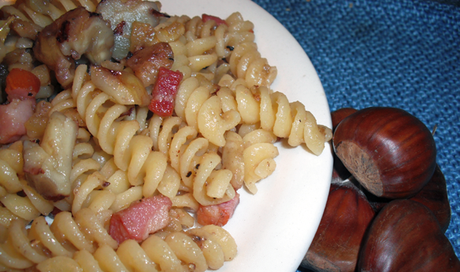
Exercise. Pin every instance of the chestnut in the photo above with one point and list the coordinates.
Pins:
(388, 150)
(406, 236)
(336, 244)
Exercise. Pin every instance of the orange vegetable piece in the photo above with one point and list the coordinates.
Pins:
(21, 84)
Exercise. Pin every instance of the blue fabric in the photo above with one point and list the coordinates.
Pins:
(403, 53)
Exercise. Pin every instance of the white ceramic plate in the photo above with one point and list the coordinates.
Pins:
(274, 228)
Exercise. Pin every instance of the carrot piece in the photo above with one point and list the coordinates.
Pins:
(21, 84)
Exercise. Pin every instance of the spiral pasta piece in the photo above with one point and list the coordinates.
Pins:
(214, 114)
(258, 154)
(247, 63)
(27, 205)
(212, 186)
(273, 112)
(11, 164)
(202, 110)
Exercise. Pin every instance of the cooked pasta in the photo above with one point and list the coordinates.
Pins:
(11, 163)
(44, 13)
(81, 242)
(132, 152)
(27, 206)
(66, 235)
(273, 112)
(202, 110)
(15, 53)
(94, 148)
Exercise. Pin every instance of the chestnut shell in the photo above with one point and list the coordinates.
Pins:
(337, 241)
(338, 115)
(389, 151)
(406, 236)
(434, 196)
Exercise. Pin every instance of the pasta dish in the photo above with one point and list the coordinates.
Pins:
(128, 134)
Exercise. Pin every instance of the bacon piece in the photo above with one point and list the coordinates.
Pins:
(140, 219)
(13, 117)
(164, 92)
(217, 214)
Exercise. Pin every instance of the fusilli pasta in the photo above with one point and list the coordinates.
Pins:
(27, 206)
(101, 147)
(80, 242)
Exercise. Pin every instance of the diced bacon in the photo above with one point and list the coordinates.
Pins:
(217, 214)
(140, 219)
(13, 117)
(164, 92)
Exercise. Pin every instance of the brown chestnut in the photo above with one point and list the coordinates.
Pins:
(336, 244)
(405, 236)
(388, 150)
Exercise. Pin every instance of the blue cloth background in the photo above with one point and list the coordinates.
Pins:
(403, 53)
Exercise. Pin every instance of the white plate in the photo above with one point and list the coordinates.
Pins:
(274, 228)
